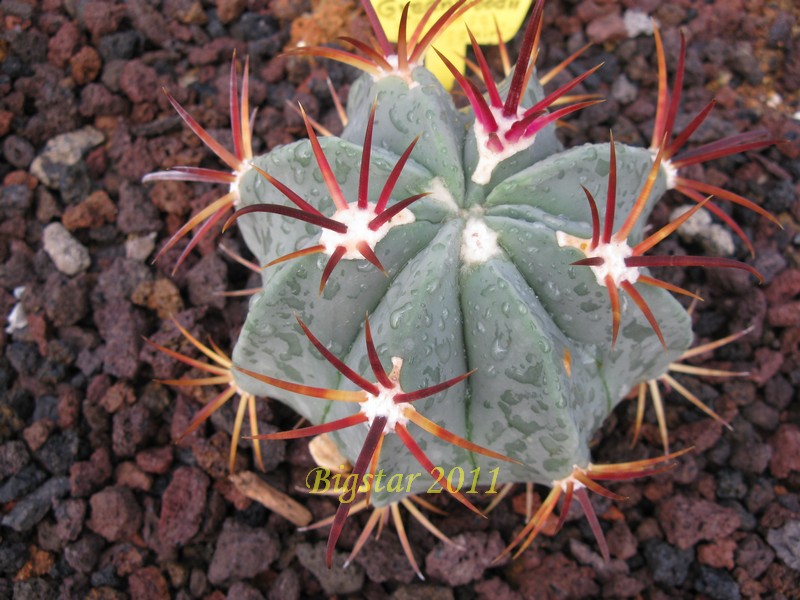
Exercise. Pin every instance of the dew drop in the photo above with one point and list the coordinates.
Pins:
(397, 315)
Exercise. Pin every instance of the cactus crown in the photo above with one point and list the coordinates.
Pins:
(489, 259)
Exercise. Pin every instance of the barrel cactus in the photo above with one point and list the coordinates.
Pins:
(460, 272)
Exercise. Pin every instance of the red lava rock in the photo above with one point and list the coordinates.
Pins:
(495, 589)
(120, 326)
(228, 10)
(100, 17)
(212, 51)
(36, 435)
(21, 178)
(115, 514)
(96, 210)
(155, 460)
(607, 28)
(785, 315)
(138, 81)
(118, 395)
(658, 489)
(98, 386)
(5, 122)
(161, 295)
(69, 407)
(69, 515)
(62, 45)
(85, 65)
(707, 486)
(97, 101)
(206, 279)
(148, 584)
(701, 434)
(241, 553)
(189, 12)
(232, 494)
(125, 557)
(768, 363)
(181, 417)
(86, 476)
(621, 542)
(556, 576)
(127, 474)
(136, 214)
(718, 554)
(66, 301)
(149, 21)
(687, 521)
(172, 197)
(212, 454)
(784, 287)
(588, 10)
(242, 591)
(84, 554)
(622, 586)
(785, 450)
(459, 566)
(183, 506)
(131, 428)
(754, 555)
(287, 586)
(384, 561)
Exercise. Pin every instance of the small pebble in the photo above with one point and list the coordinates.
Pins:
(139, 247)
(68, 254)
(62, 151)
(786, 543)
(715, 239)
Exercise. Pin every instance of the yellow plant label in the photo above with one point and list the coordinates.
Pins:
(453, 41)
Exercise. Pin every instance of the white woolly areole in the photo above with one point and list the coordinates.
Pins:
(233, 188)
(396, 72)
(613, 254)
(439, 193)
(562, 483)
(357, 221)
(383, 405)
(670, 172)
(478, 242)
(488, 159)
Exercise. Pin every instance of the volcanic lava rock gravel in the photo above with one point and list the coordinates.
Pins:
(99, 495)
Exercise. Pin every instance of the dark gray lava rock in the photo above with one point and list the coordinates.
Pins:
(32, 509)
(337, 579)
(668, 564)
(241, 553)
(458, 566)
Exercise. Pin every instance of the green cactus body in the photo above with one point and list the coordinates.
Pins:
(475, 279)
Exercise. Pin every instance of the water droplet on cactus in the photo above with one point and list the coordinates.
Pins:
(444, 351)
(396, 316)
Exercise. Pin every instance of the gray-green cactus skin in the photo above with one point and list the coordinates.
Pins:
(536, 328)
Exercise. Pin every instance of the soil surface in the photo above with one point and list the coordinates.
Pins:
(100, 497)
